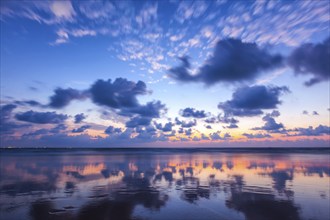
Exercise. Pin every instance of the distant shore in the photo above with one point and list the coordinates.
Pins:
(176, 150)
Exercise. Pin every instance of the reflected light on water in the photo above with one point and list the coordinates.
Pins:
(164, 185)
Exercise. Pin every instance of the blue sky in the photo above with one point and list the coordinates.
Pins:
(165, 73)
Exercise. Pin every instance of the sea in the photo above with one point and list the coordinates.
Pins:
(169, 184)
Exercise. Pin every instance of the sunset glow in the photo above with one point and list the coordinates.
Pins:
(165, 74)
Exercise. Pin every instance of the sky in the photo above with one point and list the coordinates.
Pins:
(165, 73)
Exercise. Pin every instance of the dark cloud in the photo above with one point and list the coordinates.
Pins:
(32, 88)
(122, 96)
(118, 94)
(227, 120)
(112, 130)
(249, 101)
(208, 126)
(138, 121)
(41, 117)
(188, 131)
(167, 127)
(310, 131)
(6, 111)
(315, 113)
(151, 109)
(204, 137)
(145, 129)
(30, 103)
(63, 97)
(6, 126)
(81, 129)
(10, 127)
(79, 118)
(312, 59)
(270, 125)
(226, 136)
(42, 131)
(275, 113)
(57, 129)
(216, 136)
(182, 72)
(231, 126)
(148, 134)
(211, 120)
(191, 112)
(260, 135)
(185, 124)
(305, 112)
(232, 61)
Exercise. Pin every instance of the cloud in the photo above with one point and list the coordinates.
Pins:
(96, 9)
(275, 113)
(41, 117)
(57, 129)
(42, 131)
(227, 120)
(122, 96)
(305, 112)
(188, 132)
(233, 61)
(138, 121)
(182, 72)
(249, 101)
(82, 32)
(315, 113)
(312, 59)
(63, 35)
(310, 131)
(112, 130)
(190, 9)
(208, 126)
(30, 103)
(118, 94)
(186, 124)
(63, 97)
(216, 136)
(6, 111)
(259, 135)
(231, 126)
(191, 112)
(211, 120)
(63, 10)
(167, 127)
(81, 129)
(270, 125)
(151, 109)
(79, 118)
(147, 15)
(6, 126)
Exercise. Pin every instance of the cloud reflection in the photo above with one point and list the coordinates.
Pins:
(119, 186)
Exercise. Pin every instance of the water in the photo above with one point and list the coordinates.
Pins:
(164, 184)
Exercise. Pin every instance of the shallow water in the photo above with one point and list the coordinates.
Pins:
(151, 184)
